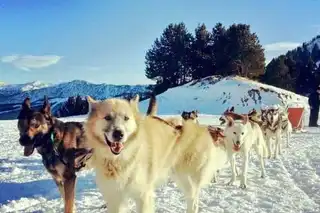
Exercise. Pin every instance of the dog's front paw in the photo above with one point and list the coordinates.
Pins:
(214, 180)
(104, 206)
(243, 186)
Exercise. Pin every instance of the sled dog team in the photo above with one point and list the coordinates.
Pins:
(132, 154)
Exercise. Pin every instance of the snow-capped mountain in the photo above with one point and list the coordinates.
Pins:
(313, 42)
(11, 96)
(212, 95)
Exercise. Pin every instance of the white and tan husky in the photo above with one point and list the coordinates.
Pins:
(132, 154)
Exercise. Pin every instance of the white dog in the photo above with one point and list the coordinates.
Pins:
(241, 137)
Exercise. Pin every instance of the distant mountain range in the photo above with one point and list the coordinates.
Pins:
(11, 96)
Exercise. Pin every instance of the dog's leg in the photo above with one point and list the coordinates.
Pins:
(187, 184)
(277, 150)
(60, 187)
(233, 169)
(269, 146)
(259, 150)
(215, 176)
(193, 201)
(288, 138)
(69, 192)
(243, 182)
(145, 203)
(114, 202)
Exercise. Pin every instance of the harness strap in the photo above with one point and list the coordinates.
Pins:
(58, 154)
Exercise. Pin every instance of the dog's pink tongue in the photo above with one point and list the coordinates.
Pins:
(116, 147)
(236, 148)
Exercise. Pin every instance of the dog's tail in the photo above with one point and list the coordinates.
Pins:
(153, 108)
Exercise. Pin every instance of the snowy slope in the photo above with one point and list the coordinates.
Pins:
(213, 96)
(292, 184)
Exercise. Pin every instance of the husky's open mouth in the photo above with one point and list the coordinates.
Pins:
(115, 147)
(236, 147)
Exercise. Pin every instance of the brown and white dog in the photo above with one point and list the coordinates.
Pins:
(272, 128)
(61, 145)
(275, 123)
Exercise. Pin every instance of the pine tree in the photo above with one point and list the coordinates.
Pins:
(219, 42)
(202, 60)
(169, 59)
(246, 55)
(315, 53)
(278, 74)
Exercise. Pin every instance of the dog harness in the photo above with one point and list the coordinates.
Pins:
(52, 157)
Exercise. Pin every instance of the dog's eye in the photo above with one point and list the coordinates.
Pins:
(234, 133)
(242, 133)
(126, 118)
(108, 118)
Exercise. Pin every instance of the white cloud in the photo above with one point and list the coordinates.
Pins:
(28, 62)
(281, 46)
(273, 50)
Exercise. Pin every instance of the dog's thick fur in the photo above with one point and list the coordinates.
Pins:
(131, 154)
(61, 145)
(241, 137)
(201, 154)
(149, 150)
(272, 127)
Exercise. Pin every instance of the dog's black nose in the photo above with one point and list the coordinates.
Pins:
(117, 135)
(238, 142)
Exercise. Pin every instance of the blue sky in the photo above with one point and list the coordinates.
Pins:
(105, 41)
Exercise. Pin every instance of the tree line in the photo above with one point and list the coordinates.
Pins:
(179, 56)
(298, 70)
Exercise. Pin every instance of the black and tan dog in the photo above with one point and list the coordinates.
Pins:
(61, 145)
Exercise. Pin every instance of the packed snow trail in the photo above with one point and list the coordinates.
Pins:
(292, 183)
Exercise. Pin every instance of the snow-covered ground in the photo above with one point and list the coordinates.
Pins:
(292, 184)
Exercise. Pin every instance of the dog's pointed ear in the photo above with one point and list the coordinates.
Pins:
(26, 104)
(134, 102)
(46, 107)
(196, 112)
(231, 109)
(230, 121)
(91, 103)
(136, 98)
